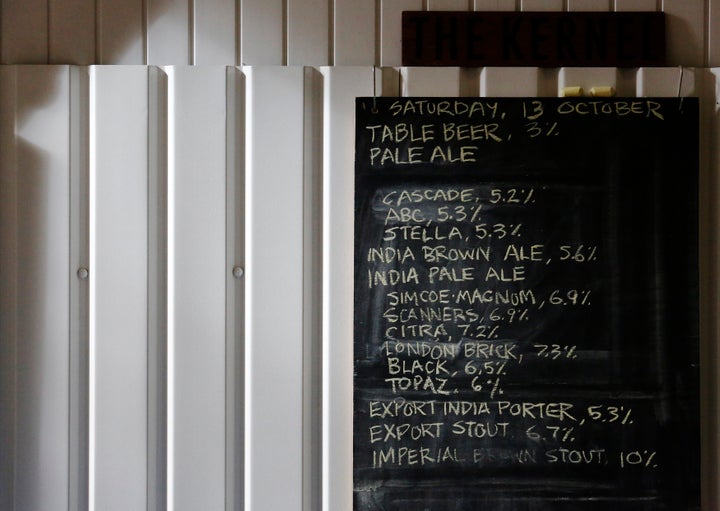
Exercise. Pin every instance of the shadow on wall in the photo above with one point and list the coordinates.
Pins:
(87, 32)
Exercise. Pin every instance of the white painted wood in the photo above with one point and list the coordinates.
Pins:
(390, 29)
(587, 78)
(121, 33)
(235, 286)
(35, 239)
(262, 32)
(354, 29)
(635, 5)
(541, 5)
(42, 174)
(178, 32)
(342, 86)
(667, 82)
(274, 307)
(509, 82)
(79, 288)
(196, 287)
(312, 289)
(589, 5)
(118, 287)
(308, 36)
(430, 81)
(685, 32)
(449, 5)
(23, 32)
(71, 31)
(713, 40)
(8, 283)
(157, 289)
(169, 32)
(495, 5)
(215, 24)
(312, 284)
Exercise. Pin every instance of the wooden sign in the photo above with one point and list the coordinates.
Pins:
(543, 39)
(526, 305)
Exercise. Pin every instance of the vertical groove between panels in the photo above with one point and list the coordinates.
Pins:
(157, 287)
(233, 315)
(78, 360)
(91, 309)
(236, 294)
(312, 290)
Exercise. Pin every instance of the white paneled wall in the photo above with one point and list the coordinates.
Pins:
(35, 285)
(196, 295)
(176, 245)
(119, 308)
(278, 32)
(204, 361)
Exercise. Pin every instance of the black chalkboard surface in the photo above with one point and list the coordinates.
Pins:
(525, 322)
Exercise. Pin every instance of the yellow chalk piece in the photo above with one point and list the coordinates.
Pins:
(571, 92)
(602, 92)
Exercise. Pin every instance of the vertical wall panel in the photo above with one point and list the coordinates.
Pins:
(235, 286)
(635, 5)
(430, 81)
(262, 32)
(118, 288)
(121, 32)
(495, 5)
(665, 82)
(509, 81)
(354, 36)
(24, 31)
(308, 36)
(589, 5)
(214, 32)
(35, 240)
(43, 239)
(342, 85)
(196, 287)
(8, 283)
(274, 331)
(713, 42)
(390, 29)
(72, 31)
(541, 5)
(685, 32)
(157, 289)
(79, 288)
(312, 289)
(169, 32)
(448, 5)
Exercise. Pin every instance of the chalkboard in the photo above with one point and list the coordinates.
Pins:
(526, 305)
